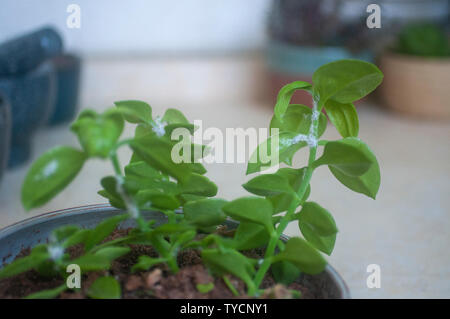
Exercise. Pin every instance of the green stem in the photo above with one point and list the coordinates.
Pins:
(275, 236)
(118, 171)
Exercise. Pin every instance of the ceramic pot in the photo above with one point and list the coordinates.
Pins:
(25, 53)
(68, 69)
(416, 86)
(5, 132)
(35, 230)
(31, 97)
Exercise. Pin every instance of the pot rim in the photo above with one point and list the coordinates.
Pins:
(79, 210)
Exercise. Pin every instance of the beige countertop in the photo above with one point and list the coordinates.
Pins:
(405, 231)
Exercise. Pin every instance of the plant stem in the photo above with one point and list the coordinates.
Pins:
(275, 236)
(132, 208)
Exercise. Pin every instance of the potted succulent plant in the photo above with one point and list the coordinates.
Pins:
(168, 235)
(417, 72)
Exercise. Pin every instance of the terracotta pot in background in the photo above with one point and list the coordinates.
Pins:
(416, 86)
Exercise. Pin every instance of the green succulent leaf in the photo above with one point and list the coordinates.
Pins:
(157, 153)
(348, 156)
(61, 234)
(345, 81)
(297, 119)
(135, 111)
(197, 184)
(317, 218)
(173, 116)
(153, 198)
(105, 288)
(285, 272)
(250, 236)
(91, 262)
(103, 230)
(268, 153)
(142, 169)
(205, 212)
(50, 174)
(169, 128)
(205, 288)
(268, 185)
(295, 177)
(285, 95)
(343, 117)
(322, 243)
(228, 262)
(251, 209)
(368, 183)
(81, 236)
(112, 252)
(23, 264)
(48, 293)
(304, 256)
(98, 134)
(145, 263)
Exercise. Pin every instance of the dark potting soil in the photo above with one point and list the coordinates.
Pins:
(157, 282)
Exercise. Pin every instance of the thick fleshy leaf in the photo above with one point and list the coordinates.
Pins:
(62, 233)
(317, 218)
(318, 227)
(102, 230)
(348, 156)
(48, 293)
(229, 262)
(343, 117)
(105, 288)
(285, 95)
(345, 81)
(297, 119)
(368, 183)
(268, 185)
(145, 263)
(135, 111)
(197, 184)
(91, 262)
(98, 133)
(322, 243)
(250, 236)
(157, 153)
(276, 149)
(23, 264)
(251, 209)
(205, 212)
(295, 177)
(50, 174)
(285, 272)
(153, 198)
(142, 169)
(112, 252)
(173, 116)
(304, 256)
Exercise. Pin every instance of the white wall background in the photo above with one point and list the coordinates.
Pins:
(144, 26)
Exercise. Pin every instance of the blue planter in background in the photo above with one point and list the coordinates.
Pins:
(32, 99)
(25, 53)
(68, 69)
(5, 132)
